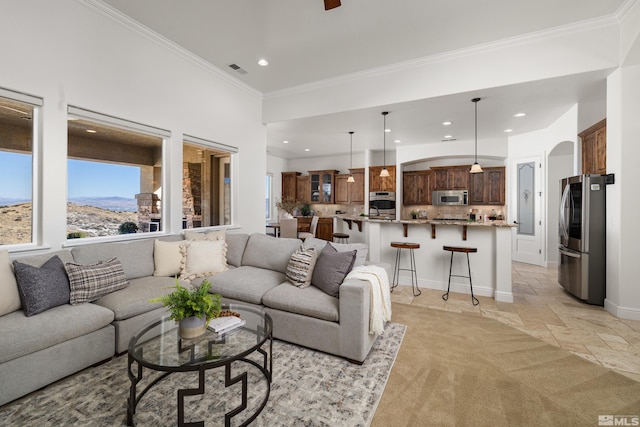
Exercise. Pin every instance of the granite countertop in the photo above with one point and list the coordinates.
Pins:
(496, 223)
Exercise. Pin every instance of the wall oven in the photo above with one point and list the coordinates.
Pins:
(382, 203)
(450, 197)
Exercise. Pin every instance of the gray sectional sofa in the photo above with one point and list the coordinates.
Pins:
(38, 350)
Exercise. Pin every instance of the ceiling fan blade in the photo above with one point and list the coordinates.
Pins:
(331, 4)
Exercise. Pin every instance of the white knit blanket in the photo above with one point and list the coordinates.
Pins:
(380, 303)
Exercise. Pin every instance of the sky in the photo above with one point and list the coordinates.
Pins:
(86, 179)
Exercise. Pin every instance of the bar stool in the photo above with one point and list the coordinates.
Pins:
(340, 238)
(412, 259)
(467, 251)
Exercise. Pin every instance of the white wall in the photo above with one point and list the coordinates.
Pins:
(69, 52)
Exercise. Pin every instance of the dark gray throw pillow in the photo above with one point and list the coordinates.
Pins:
(42, 288)
(331, 268)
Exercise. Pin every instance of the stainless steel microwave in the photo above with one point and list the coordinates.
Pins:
(450, 197)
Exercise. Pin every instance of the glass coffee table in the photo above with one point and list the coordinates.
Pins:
(158, 347)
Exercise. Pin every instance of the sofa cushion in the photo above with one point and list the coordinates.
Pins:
(361, 248)
(134, 299)
(236, 243)
(167, 257)
(9, 295)
(23, 335)
(136, 256)
(202, 258)
(89, 282)
(309, 301)
(246, 283)
(300, 267)
(269, 252)
(42, 288)
(331, 269)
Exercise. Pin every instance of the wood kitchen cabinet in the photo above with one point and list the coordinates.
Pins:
(594, 148)
(324, 230)
(450, 177)
(488, 187)
(289, 185)
(322, 183)
(342, 188)
(378, 183)
(416, 187)
(356, 189)
(350, 193)
(303, 189)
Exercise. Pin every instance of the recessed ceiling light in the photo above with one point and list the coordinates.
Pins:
(508, 130)
(448, 136)
(397, 141)
(387, 130)
(263, 62)
(307, 149)
(519, 114)
(285, 142)
(91, 131)
(447, 123)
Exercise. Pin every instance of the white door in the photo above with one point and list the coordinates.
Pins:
(526, 210)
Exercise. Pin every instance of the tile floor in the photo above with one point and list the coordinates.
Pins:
(543, 309)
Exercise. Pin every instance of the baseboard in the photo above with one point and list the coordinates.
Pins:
(629, 313)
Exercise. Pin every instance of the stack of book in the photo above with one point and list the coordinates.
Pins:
(224, 324)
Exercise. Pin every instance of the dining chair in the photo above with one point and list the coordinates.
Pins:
(312, 229)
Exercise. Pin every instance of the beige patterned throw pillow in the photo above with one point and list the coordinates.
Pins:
(300, 267)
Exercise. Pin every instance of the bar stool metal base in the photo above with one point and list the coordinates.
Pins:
(453, 249)
(340, 238)
(412, 259)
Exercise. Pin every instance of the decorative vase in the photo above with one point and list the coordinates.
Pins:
(192, 327)
(287, 215)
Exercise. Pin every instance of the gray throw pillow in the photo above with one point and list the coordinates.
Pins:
(42, 288)
(90, 282)
(331, 268)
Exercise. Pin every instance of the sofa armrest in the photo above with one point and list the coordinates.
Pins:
(355, 297)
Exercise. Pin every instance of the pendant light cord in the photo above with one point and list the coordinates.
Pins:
(384, 139)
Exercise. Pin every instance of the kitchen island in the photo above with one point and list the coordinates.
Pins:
(490, 266)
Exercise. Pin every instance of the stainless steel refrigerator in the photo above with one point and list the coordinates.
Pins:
(582, 229)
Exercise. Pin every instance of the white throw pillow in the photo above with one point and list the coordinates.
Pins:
(203, 258)
(9, 295)
(167, 258)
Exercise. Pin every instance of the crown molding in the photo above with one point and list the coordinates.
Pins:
(538, 36)
(128, 22)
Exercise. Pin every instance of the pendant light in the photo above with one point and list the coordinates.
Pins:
(475, 168)
(350, 179)
(384, 172)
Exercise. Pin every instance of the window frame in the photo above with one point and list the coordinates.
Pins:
(233, 168)
(37, 104)
(132, 126)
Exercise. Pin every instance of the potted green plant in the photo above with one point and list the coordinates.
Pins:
(414, 214)
(191, 308)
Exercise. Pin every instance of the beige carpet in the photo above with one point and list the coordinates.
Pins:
(465, 370)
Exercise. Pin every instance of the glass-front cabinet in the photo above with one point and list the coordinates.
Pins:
(322, 186)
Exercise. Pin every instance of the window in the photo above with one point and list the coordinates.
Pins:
(114, 176)
(19, 132)
(269, 197)
(206, 183)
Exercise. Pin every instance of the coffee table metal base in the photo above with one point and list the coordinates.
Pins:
(266, 369)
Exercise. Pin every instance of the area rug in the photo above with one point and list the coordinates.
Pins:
(309, 388)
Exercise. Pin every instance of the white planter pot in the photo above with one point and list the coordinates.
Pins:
(192, 327)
